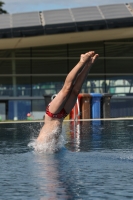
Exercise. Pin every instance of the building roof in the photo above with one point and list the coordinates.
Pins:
(64, 21)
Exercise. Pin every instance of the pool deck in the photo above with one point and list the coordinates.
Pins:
(34, 121)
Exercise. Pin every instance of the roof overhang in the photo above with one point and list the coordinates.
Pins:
(69, 38)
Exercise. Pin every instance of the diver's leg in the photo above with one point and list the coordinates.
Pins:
(62, 97)
(78, 85)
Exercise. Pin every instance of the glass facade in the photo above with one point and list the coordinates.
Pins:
(29, 77)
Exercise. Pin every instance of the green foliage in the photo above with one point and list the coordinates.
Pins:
(1, 10)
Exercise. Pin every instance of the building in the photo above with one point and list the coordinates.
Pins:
(38, 49)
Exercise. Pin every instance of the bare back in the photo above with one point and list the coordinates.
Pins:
(52, 128)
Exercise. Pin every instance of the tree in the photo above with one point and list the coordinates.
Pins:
(1, 10)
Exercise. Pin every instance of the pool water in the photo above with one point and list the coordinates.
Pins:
(95, 163)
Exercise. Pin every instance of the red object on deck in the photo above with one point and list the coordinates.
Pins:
(75, 112)
(28, 114)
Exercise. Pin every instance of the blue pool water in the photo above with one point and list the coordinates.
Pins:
(95, 163)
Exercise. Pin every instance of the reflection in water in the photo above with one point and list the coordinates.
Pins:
(84, 135)
(99, 135)
(49, 182)
(96, 134)
(75, 134)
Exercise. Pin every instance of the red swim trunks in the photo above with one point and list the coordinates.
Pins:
(60, 115)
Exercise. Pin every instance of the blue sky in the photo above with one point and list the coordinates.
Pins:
(17, 6)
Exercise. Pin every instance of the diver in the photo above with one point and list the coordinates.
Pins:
(65, 100)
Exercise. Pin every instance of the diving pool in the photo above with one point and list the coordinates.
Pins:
(96, 162)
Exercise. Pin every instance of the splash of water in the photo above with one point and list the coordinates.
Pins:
(51, 144)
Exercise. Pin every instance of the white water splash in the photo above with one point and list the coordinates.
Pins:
(50, 144)
(127, 156)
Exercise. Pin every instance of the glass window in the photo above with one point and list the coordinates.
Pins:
(23, 66)
(46, 85)
(54, 60)
(6, 86)
(120, 85)
(5, 67)
(23, 86)
(119, 68)
(75, 50)
(38, 108)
